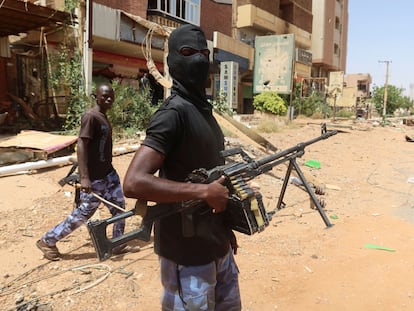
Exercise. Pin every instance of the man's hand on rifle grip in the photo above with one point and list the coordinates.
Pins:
(217, 195)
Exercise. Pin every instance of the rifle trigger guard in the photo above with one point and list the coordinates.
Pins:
(198, 176)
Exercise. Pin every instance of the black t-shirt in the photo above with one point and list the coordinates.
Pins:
(190, 138)
(96, 127)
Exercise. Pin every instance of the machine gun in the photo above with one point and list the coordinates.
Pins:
(245, 211)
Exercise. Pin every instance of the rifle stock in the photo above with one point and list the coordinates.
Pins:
(104, 245)
(98, 228)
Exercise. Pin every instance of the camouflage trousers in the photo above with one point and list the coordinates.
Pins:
(213, 287)
(108, 188)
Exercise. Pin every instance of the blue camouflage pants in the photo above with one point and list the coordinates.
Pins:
(108, 188)
(211, 287)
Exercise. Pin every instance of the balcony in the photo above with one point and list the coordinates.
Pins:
(250, 16)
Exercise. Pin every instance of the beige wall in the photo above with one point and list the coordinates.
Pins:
(353, 80)
(347, 99)
(234, 46)
(326, 35)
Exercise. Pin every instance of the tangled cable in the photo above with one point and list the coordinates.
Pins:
(11, 287)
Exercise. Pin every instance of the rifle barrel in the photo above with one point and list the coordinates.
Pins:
(298, 147)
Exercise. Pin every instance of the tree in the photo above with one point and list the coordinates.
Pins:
(395, 99)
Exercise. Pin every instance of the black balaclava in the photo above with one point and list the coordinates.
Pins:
(189, 73)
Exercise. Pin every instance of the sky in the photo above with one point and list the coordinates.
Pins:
(380, 30)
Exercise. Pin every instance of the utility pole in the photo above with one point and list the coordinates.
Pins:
(384, 111)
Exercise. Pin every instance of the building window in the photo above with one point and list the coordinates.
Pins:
(362, 86)
(337, 23)
(186, 10)
(336, 49)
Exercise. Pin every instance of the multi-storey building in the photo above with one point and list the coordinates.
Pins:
(127, 35)
(124, 38)
(329, 36)
(254, 18)
(361, 85)
(230, 27)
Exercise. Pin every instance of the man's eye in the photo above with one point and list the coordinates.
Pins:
(205, 52)
(188, 51)
(191, 51)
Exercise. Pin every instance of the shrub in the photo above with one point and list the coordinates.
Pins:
(315, 106)
(267, 126)
(269, 102)
(132, 109)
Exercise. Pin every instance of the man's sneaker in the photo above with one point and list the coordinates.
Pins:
(49, 252)
(125, 248)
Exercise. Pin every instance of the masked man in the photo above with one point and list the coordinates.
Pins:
(198, 271)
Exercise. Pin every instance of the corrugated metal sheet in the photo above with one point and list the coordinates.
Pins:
(135, 32)
(19, 17)
(106, 22)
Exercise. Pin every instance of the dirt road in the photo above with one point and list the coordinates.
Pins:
(364, 262)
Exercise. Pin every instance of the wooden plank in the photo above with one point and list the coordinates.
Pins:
(243, 131)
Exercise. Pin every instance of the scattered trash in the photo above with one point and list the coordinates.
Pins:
(32, 146)
(332, 187)
(313, 164)
(296, 181)
(373, 246)
(410, 180)
(333, 216)
(409, 138)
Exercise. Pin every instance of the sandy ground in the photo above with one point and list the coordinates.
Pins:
(296, 263)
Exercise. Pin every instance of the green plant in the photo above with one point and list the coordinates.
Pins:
(67, 76)
(395, 99)
(315, 105)
(220, 104)
(131, 110)
(71, 5)
(269, 102)
(78, 101)
(67, 73)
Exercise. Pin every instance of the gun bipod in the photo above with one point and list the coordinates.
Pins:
(280, 204)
